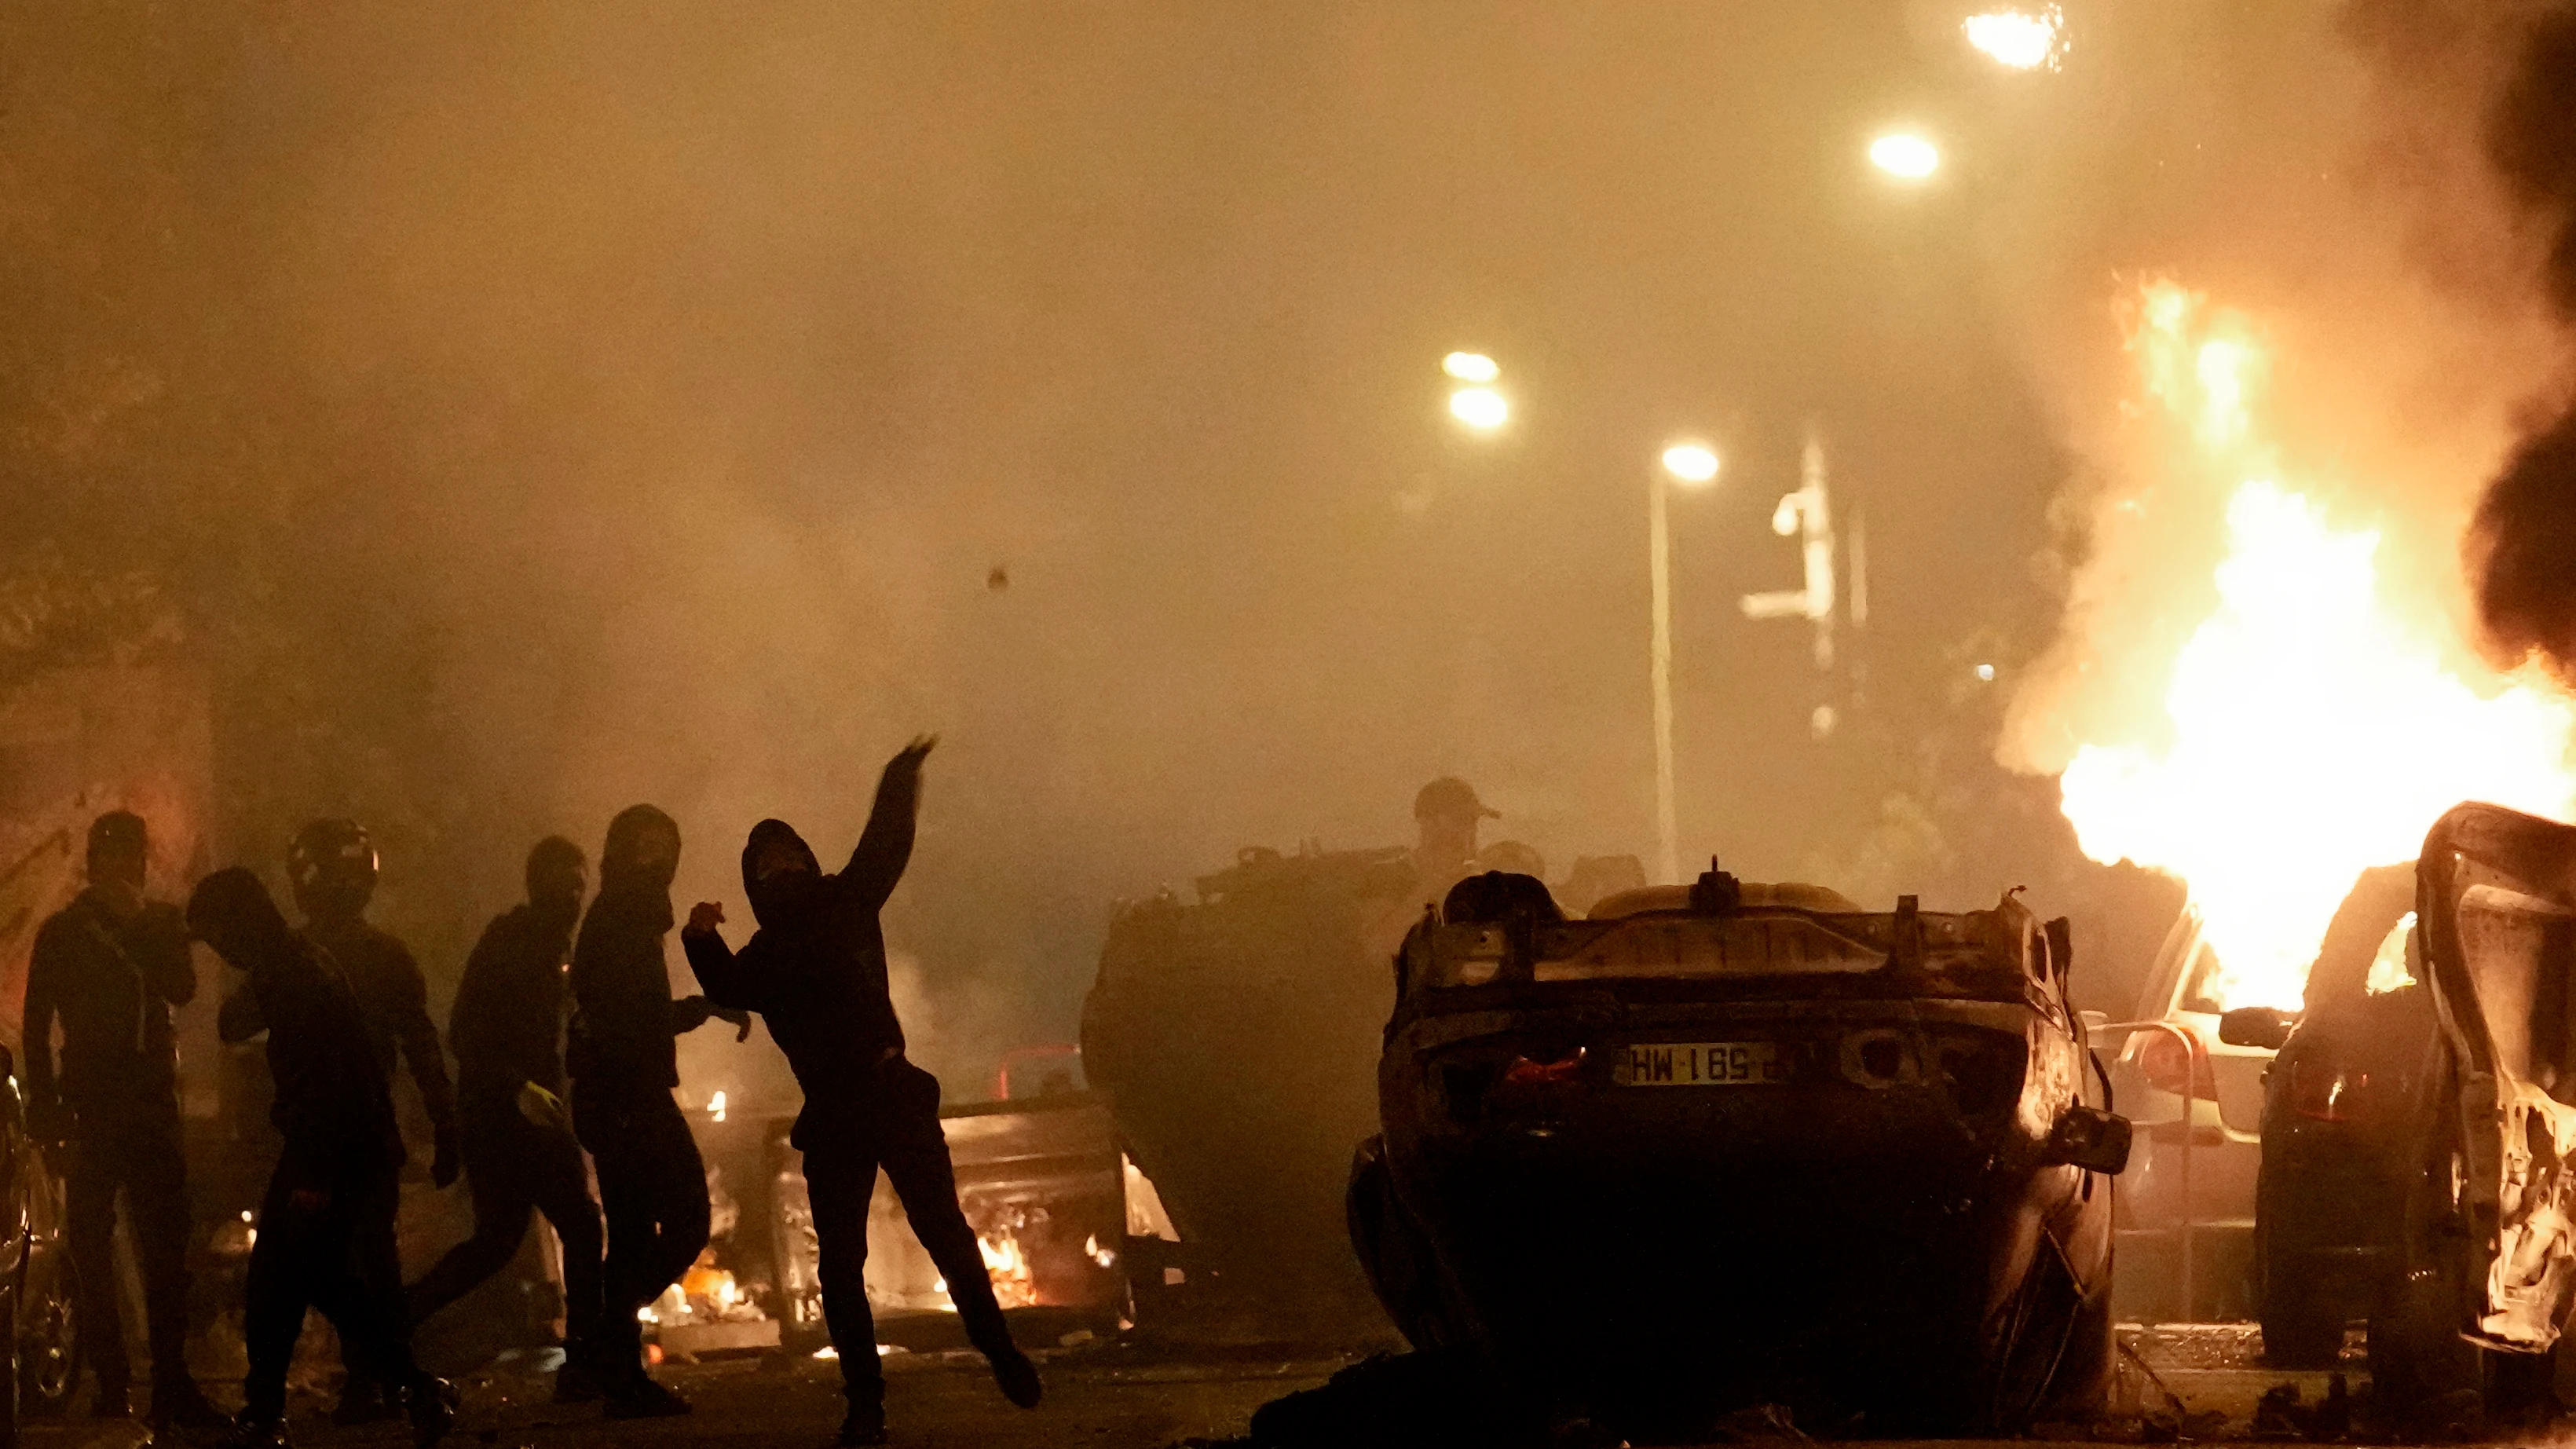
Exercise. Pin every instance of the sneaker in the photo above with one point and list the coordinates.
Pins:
(362, 1401)
(1018, 1378)
(182, 1405)
(431, 1407)
(251, 1433)
(644, 1398)
(864, 1425)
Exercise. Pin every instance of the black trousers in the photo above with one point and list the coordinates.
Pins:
(846, 1141)
(514, 1168)
(337, 1255)
(653, 1191)
(134, 1150)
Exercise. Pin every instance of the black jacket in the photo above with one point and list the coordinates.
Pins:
(395, 999)
(623, 1015)
(507, 1026)
(112, 983)
(815, 969)
(333, 1105)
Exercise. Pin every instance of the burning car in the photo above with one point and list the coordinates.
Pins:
(2481, 1242)
(1736, 1144)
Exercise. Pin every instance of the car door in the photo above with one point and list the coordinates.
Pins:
(2497, 901)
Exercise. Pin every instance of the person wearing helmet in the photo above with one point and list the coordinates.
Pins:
(815, 970)
(520, 1156)
(332, 865)
(652, 1185)
(326, 1224)
(111, 965)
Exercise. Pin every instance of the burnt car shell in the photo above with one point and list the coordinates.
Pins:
(1863, 1209)
(2489, 1238)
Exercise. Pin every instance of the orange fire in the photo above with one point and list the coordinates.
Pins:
(2311, 725)
(1008, 1266)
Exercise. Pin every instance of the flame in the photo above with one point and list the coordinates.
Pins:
(2311, 728)
(1008, 1266)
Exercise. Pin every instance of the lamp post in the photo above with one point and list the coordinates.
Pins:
(1692, 465)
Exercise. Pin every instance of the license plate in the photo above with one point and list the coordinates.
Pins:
(1702, 1064)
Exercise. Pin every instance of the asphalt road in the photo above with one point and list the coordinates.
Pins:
(1102, 1395)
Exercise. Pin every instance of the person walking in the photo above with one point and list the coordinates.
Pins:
(652, 1184)
(520, 1154)
(326, 1224)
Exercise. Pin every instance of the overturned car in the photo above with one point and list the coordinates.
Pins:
(1734, 1145)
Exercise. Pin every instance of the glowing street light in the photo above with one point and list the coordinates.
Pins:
(1905, 155)
(1690, 463)
(1481, 408)
(1471, 367)
(2018, 39)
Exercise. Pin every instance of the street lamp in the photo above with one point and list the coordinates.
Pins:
(1692, 465)
(1905, 155)
(2019, 39)
(1481, 408)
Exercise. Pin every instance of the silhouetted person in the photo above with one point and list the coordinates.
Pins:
(111, 965)
(652, 1186)
(815, 970)
(520, 1156)
(332, 865)
(1446, 817)
(326, 1225)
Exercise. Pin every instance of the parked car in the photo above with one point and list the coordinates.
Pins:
(2225, 1143)
(1733, 1144)
(2339, 1109)
(39, 1363)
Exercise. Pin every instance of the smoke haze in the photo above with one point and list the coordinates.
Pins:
(2318, 172)
(533, 410)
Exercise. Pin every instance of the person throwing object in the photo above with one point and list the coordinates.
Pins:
(815, 970)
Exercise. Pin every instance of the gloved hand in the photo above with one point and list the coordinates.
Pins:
(543, 1109)
(705, 916)
(447, 1158)
(741, 1020)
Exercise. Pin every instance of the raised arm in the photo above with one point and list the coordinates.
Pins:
(885, 847)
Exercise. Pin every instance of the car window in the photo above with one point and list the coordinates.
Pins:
(2200, 980)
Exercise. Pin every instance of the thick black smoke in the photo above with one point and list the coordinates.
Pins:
(2522, 546)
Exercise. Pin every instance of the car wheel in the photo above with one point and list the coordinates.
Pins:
(2302, 1329)
(48, 1359)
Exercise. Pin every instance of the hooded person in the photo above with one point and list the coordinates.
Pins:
(520, 1155)
(815, 970)
(326, 1225)
(110, 966)
(652, 1184)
